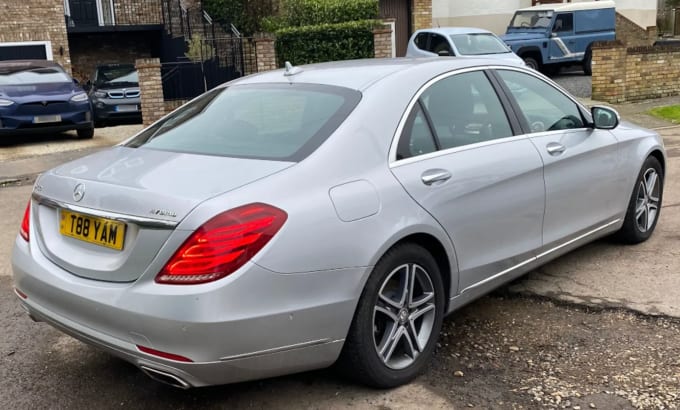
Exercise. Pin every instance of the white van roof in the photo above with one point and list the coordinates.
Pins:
(586, 5)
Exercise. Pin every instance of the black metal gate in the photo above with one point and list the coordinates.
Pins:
(214, 62)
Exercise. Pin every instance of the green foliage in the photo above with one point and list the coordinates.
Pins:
(198, 50)
(325, 42)
(246, 15)
(313, 12)
(669, 113)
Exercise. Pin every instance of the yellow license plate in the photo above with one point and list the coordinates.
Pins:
(92, 229)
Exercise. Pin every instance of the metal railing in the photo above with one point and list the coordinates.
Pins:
(81, 14)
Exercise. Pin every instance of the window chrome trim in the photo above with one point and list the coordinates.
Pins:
(151, 223)
(540, 256)
(447, 151)
(392, 156)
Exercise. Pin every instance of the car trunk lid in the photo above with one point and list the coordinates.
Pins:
(107, 215)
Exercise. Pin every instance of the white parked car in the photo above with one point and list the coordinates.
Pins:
(459, 42)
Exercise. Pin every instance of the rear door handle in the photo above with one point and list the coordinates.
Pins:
(432, 176)
(555, 148)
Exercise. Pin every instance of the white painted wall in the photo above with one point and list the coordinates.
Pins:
(494, 15)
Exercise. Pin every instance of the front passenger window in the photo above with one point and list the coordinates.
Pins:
(544, 107)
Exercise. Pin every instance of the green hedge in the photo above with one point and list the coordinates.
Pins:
(325, 42)
(313, 12)
(297, 13)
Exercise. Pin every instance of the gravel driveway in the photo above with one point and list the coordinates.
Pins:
(574, 81)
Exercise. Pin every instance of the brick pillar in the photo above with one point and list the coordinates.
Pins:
(421, 14)
(382, 42)
(266, 54)
(609, 72)
(151, 88)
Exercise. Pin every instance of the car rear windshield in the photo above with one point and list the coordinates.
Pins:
(35, 75)
(284, 122)
(478, 44)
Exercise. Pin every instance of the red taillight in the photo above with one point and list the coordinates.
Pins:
(164, 355)
(25, 222)
(223, 244)
(20, 293)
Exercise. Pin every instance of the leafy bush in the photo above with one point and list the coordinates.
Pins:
(325, 42)
(312, 12)
(246, 15)
(198, 50)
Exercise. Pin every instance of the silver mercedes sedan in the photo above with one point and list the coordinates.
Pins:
(332, 212)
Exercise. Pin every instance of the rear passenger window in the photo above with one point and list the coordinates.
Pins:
(464, 109)
(421, 41)
(417, 138)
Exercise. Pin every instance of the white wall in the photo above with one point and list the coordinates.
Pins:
(495, 15)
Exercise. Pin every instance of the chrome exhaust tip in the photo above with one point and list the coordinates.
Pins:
(165, 377)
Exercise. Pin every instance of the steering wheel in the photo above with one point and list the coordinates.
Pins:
(566, 122)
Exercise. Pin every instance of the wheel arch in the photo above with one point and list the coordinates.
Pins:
(660, 157)
(531, 51)
(445, 259)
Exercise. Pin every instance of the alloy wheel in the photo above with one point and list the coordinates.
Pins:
(647, 203)
(404, 315)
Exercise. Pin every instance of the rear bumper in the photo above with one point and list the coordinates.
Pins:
(254, 325)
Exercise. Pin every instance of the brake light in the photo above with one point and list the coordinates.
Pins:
(223, 244)
(25, 223)
(164, 355)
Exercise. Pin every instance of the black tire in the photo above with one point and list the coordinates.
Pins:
(588, 62)
(86, 133)
(532, 63)
(636, 228)
(360, 358)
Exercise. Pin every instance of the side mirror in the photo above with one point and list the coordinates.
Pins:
(75, 81)
(443, 53)
(605, 118)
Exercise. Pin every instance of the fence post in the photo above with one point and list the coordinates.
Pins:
(265, 54)
(382, 42)
(151, 89)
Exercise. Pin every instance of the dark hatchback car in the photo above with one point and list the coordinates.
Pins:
(39, 96)
(114, 92)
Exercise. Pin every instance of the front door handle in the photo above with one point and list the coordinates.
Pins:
(555, 148)
(432, 176)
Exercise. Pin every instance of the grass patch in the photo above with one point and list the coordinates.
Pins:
(669, 113)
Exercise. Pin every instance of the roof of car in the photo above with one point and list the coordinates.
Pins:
(447, 31)
(361, 74)
(588, 5)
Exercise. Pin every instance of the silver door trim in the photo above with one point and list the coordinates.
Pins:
(542, 255)
(578, 238)
(151, 223)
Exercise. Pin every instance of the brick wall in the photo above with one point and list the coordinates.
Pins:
(138, 12)
(36, 20)
(382, 42)
(89, 50)
(633, 35)
(421, 11)
(265, 54)
(628, 74)
(151, 87)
